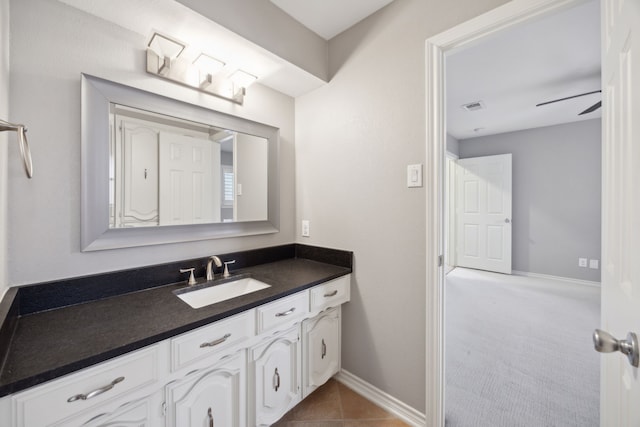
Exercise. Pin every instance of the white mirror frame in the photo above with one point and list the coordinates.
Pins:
(97, 95)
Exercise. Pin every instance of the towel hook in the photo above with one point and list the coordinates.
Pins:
(21, 130)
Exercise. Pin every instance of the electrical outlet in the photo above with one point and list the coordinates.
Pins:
(582, 262)
(593, 263)
(305, 228)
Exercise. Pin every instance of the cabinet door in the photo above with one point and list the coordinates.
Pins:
(321, 337)
(213, 397)
(276, 377)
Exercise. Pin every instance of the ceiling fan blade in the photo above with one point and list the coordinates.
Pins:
(568, 97)
(593, 108)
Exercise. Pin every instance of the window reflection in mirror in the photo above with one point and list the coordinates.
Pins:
(169, 171)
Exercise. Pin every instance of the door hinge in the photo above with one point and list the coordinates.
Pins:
(440, 260)
(164, 409)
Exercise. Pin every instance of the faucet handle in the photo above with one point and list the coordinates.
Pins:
(226, 268)
(192, 280)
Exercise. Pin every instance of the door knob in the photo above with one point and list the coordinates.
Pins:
(507, 220)
(604, 342)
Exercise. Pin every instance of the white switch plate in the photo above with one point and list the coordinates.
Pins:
(593, 263)
(305, 228)
(582, 262)
(414, 175)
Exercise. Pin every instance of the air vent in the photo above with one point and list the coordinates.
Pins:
(474, 106)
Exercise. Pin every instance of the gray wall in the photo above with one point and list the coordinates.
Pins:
(51, 44)
(453, 145)
(4, 138)
(354, 138)
(556, 195)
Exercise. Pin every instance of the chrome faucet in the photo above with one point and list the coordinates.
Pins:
(210, 266)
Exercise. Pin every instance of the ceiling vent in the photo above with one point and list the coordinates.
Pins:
(474, 106)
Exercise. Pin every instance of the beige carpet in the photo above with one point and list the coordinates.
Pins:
(519, 351)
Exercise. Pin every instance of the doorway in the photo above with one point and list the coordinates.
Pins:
(458, 38)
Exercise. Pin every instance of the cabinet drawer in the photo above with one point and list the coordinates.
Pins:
(283, 312)
(331, 294)
(208, 340)
(52, 402)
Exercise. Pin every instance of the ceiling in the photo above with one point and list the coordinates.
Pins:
(553, 57)
(328, 18)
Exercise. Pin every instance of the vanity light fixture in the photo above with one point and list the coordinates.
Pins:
(208, 66)
(166, 50)
(170, 60)
(242, 79)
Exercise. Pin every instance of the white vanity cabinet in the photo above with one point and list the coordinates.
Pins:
(245, 370)
(275, 363)
(103, 387)
(321, 349)
(275, 377)
(210, 397)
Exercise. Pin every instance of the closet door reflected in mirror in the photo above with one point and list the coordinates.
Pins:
(167, 171)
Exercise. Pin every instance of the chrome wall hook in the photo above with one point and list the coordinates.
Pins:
(21, 130)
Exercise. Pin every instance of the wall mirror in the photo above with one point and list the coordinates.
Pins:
(157, 170)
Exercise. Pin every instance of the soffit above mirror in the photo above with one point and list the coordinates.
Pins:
(328, 18)
(201, 33)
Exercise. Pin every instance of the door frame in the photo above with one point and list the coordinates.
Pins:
(449, 219)
(436, 48)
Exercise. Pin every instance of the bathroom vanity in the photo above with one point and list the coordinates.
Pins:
(146, 358)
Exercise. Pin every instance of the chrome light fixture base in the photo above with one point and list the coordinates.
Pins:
(185, 73)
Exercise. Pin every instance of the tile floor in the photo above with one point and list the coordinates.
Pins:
(336, 405)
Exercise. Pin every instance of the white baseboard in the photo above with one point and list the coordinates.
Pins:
(562, 279)
(387, 402)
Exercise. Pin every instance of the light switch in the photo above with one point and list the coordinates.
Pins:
(305, 228)
(593, 263)
(414, 175)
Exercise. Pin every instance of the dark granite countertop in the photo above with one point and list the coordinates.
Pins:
(48, 344)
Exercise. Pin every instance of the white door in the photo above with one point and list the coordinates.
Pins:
(620, 391)
(484, 213)
(137, 178)
(189, 180)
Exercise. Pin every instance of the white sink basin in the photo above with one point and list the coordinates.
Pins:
(216, 293)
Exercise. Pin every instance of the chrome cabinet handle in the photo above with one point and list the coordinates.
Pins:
(331, 294)
(286, 313)
(210, 417)
(215, 342)
(604, 342)
(324, 349)
(96, 392)
(276, 380)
